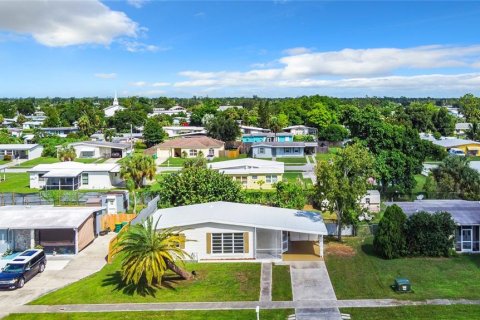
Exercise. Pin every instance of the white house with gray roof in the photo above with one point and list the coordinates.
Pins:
(282, 149)
(101, 149)
(238, 231)
(71, 175)
(21, 150)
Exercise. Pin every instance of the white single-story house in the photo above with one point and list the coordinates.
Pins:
(177, 131)
(71, 175)
(189, 147)
(238, 231)
(169, 112)
(101, 149)
(462, 127)
(223, 108)
(252, 130)
(301, 130)
(60, 131)
(250, 171)
(282, 149)
(65, 230)
(465, 214)
(21, 151)
(371, 201)
(32, 124)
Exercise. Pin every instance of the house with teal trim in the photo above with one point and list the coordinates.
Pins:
(282, 149)
(267, 137)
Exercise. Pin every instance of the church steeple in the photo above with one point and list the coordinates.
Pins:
(115, 100)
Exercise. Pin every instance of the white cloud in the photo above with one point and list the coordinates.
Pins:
(105, 75)
(296, 51)
(138, 84)
(136, 46)
(66, 23)
(160, 84)
(137, 3)
(199, 14)
(147, 84)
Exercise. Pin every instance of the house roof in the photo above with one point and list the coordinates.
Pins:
(240, 214)
(280, 144)
(60, 129)
(254, 128)
(268, 134)
(72, 166)
(451, 143)
(301, 126)
(197, 142)
(462, 126)
(103, 144)
(463, 212)
(18, 146)
(248, 166)
(44, 217)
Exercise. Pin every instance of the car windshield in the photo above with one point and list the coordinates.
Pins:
(13, 268)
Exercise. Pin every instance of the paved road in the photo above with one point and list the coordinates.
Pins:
(89, 261)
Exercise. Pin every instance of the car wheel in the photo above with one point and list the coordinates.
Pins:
(41, 268)
(20, 283)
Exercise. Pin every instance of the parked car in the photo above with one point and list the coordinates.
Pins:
(22, 268)
(456, 152)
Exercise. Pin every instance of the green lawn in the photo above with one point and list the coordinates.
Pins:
(279, 314)
(2, 162)
(363, 275)
(291, 176)
(419, 183)
(173, 162)
(292, 160)
(218, 159)
(41, 160)
(90, 160)
(214, 282)
(16, 182)
(453, 312)
(281, 283)
(327, 156)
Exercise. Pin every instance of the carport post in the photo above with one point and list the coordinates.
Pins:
(76, 240)
(321, 246)
(32, 238)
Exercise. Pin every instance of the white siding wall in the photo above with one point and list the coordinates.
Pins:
(98, 180)
(35, 182)
(35, 153)
(80, 148)
(197, 240)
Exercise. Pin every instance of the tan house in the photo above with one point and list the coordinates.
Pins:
(188, 147)
(251, 173)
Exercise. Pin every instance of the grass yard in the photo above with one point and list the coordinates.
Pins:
(292, 160)
(419, 183)
(218, 159)
(357, 273)
(279, 314)
(2, 162)
(327, 156)
(452, 312)
(41, 160)
(281, 283)
(214, 282)
(291, 176)
(173, 162)
(17, 183)
(91, 160)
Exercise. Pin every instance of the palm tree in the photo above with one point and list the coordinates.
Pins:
(109, 134)
(147, 253)
(66, 153)
(138, 168)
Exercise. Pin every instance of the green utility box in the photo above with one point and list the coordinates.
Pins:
(402, 285)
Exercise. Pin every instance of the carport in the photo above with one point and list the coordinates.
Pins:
(64, 230)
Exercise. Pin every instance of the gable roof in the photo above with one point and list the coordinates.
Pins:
(104, 144)
(72, 166)
(450, 143)
(248, 166)
(283, 144)
(19, 146)
(241, 214)
(193, 142)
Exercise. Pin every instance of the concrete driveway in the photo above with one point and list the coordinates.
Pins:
(59, 273)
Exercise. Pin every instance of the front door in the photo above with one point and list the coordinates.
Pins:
(466, 240)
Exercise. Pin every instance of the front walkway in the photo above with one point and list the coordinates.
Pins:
(311, 282)
(89, 261)
(266, 282)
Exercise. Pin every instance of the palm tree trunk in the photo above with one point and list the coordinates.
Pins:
(182, 273)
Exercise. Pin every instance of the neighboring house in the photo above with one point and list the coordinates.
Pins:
(21, 151)
(301, 130)
(15, 132)
(62, 132)
(111, 110)
(469, 147)
(371, 201)
(250, 171)
(252, 130)
(176, 131)
(65, 230)
(101, 149)
(38, 116)
(237, 231)
(31, 124)
(188, 146)
(282, 149)
(464, 213)
(223, 108)
(462, 127)
(169, 112)
(267, 137)
(72, 175)
(119, 137)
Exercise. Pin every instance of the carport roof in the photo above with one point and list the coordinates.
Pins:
(463, 212)
(44, 217)
(240, 214)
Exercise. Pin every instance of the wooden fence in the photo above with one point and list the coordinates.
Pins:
(112, 249)
(109, 220)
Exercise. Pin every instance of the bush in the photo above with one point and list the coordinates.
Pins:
(430, 234)
(7, 157)
(389, 241)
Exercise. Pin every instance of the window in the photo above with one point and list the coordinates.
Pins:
(40, 177)
(296, 150)
(193, 153)
(288, 150)
(84, 178)
(254, 177)
(261, 150)
(227, 243)
(271, 179)
(367, 200)
(211, 152)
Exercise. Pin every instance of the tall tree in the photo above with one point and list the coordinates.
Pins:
(223, 128)
(343, 181)
(147, 253)
(66, 153)
(153, 133)
(470, 107)
(138, 168)
(390, 238)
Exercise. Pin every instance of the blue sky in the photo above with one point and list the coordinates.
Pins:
(265, 48)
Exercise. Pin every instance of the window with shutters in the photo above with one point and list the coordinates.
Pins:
(227, 243)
